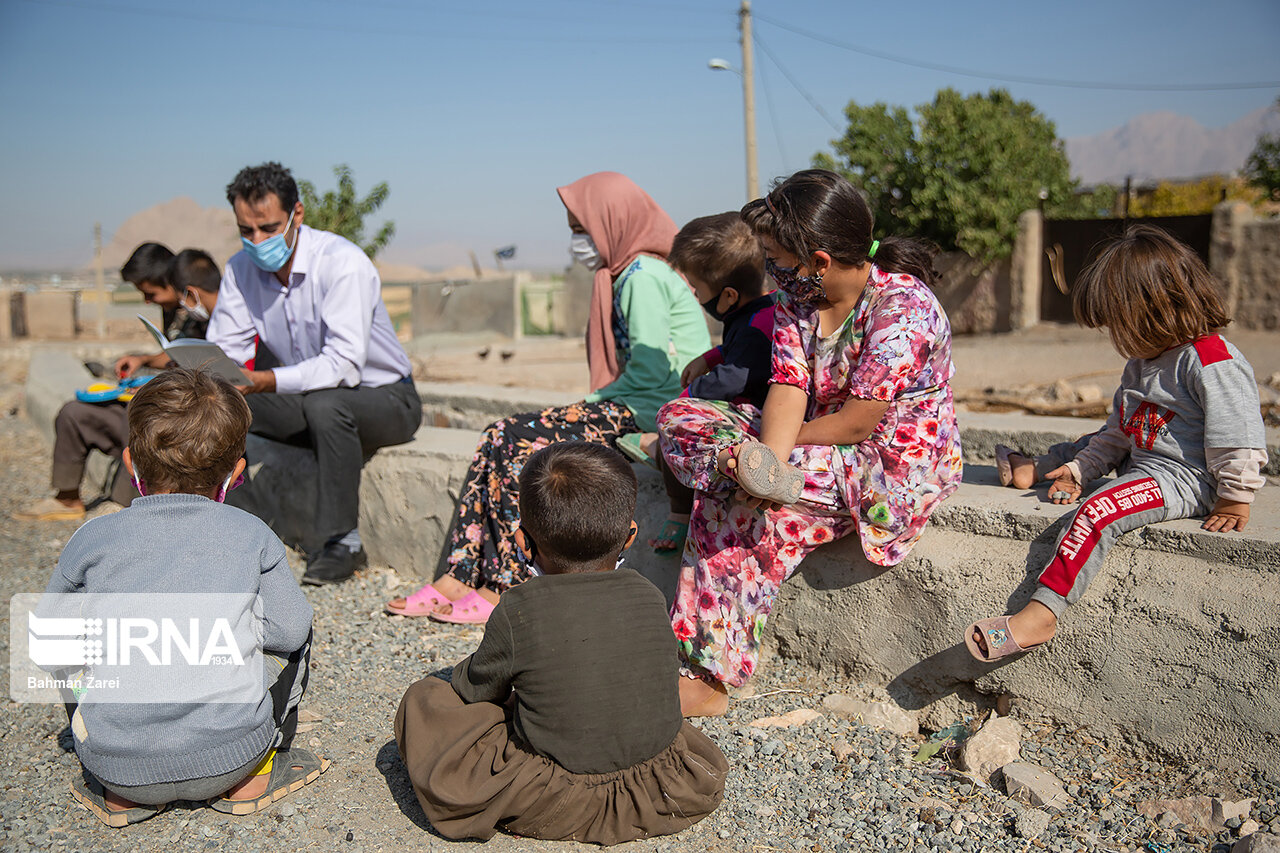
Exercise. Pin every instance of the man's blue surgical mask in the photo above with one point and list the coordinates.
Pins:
(272, 253)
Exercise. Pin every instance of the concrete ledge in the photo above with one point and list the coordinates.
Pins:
(1176, 642)
(473, 406)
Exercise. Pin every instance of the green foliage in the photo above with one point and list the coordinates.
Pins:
(1191, 197)
(961, 175)
(1096, 203)
(342, 213)
(1263, 166)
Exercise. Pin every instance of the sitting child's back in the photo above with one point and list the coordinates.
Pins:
(565, 723)
(161, 544)
(591, 657)
(196, 576)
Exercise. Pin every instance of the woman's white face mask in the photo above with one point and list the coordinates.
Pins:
(584, 251)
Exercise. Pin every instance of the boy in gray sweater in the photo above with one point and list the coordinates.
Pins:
(186, 447)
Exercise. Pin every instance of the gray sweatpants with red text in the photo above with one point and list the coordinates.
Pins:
(1131, 501)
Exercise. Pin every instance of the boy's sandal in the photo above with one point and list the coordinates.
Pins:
(420, 603)
(90, 794)
(761, 474)
(672, 531)
(290, 770)
(472, 609)
(1004, 468)
(629, 445)
(1000, 641)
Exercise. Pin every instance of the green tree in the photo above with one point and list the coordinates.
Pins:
(961, 174)
(1097, 202)
(1263, 166)
(342, 213)
(1189, 198)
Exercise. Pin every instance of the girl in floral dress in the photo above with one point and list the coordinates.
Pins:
(859, 407)
(644, 326)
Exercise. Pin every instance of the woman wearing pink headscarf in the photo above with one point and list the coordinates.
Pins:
(644, 326)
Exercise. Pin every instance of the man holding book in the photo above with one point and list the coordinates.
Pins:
(344, 385)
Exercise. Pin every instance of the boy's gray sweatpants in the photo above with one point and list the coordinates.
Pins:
(1137, 498)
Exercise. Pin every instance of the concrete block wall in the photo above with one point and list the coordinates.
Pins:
(51, 314)
(1245, 256)
(470, 305)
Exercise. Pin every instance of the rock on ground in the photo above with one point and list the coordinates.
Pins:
(991, 747)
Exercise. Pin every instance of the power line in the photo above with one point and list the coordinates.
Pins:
(1010, 78)
(792, 80)
(773, 116)
(308, 25)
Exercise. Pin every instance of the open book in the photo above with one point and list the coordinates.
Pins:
(196, 354)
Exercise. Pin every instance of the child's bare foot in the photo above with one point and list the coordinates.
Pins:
(649, 444)
(672, 535)
(1023, 469)
(115, 802)
(249, 788)
(1030, 626)
(700, 698)
(1016, 470)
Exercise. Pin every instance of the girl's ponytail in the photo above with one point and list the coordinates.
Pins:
(909, 255)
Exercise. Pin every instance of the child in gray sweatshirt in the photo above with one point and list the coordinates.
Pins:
(174, 544)
(1185, 433)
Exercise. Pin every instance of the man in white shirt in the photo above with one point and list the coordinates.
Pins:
(345, 386)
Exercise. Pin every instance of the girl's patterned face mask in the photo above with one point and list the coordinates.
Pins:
(805, 292)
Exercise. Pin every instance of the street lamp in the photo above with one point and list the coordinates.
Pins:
(748, 97)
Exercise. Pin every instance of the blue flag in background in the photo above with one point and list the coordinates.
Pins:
(506, 253)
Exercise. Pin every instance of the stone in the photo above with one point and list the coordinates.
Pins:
(993, 746)
(1249, 827)
(1208, 813)
(1035, 786)
(798, 717)
(1089, 393)
(880, 715)
(1031, 824)
(841, 749)
(1259, 842)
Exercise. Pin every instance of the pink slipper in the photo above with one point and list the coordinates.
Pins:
(1000, 641)
(421, 603)
(472, 609)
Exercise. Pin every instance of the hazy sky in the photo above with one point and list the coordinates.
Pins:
(475, 110)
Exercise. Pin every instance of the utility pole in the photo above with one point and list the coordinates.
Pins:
(749, 100)
(100, 280)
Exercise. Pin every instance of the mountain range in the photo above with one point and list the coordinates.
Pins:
(1165, 145)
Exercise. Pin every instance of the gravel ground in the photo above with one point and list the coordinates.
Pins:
(829, 785)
